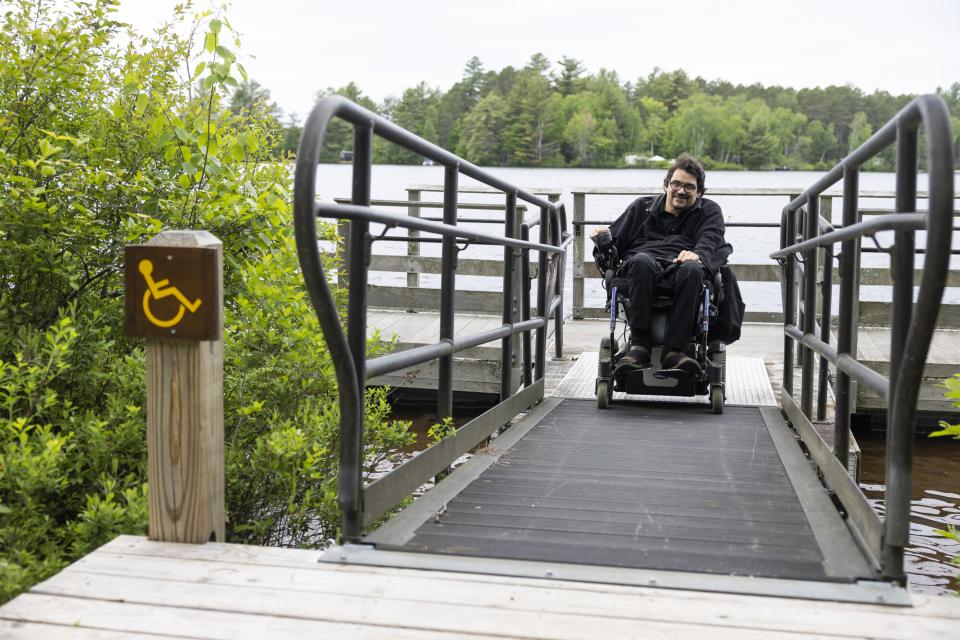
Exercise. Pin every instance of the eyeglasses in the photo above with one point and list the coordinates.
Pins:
(687, 188)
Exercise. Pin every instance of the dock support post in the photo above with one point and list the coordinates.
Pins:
(185, 421)
(579, 213)
(413, 247)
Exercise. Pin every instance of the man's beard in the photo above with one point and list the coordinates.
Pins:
(681, 206)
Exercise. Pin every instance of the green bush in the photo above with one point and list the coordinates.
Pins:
(106, 138)
(70, 478)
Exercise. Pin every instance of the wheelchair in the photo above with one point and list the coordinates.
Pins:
(654, 380)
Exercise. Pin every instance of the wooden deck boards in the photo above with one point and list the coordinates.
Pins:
(134, 588)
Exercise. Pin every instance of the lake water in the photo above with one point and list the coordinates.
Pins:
(936, 501)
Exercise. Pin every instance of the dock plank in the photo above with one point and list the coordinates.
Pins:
(227, 591)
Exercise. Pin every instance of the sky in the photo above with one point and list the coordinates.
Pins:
(296, 47)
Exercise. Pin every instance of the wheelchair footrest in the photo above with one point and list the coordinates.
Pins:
(676, 374)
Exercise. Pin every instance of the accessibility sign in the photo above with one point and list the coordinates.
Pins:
(171, 292)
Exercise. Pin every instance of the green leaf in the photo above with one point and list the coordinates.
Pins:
(141, 104)
(200, 67)
(225, 53)
(183, 181)
(210, 42)
(243, 72)
(215, 26)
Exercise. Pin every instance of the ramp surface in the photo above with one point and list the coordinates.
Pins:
(669, 487)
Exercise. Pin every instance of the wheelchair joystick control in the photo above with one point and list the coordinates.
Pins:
(605, 253)
(603, 240)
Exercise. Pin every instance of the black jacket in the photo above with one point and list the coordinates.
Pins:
(646, 227)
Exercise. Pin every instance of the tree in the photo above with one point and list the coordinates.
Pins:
(653, 117)
(250, 96)
(291, 134)
(820, 140)
(339, 136)
(570, 81)
(416, 111)
(481, 140)
(474, 80)
(759, 146)
(671, 88)
(860, 131)
(695, 125)
(530, 138)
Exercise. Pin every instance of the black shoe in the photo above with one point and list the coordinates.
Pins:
(677, 361)
(636, 358)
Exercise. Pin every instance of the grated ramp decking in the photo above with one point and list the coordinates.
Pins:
(747, 383)
(670, 487)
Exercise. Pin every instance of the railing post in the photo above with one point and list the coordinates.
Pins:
(413, 247)
(558, 291)
(447, 292)
(578, 253)
(826, 299)
(899, 459)
(343, 231)
(351, 459)
(542, 295)
(811, 228)
(185, 418)
(525, 307)
(509, 267)
(788, 237)
(847, 328)
(825, 313)
(798, 271)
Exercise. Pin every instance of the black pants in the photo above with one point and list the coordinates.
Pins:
(645, 274)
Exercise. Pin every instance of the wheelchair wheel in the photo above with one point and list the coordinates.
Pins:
(716, 399)
(603, 394)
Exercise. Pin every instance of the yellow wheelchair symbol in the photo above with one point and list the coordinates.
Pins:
(159, 290)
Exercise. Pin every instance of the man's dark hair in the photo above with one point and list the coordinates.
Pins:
(692, 166)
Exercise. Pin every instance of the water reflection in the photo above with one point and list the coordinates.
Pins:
(935, 505)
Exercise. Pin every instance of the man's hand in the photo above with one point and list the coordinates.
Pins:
(686, 256)
(593, 234)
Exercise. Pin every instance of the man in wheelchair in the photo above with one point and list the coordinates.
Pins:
(661, 257)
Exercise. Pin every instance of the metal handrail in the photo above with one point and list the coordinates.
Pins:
(360, 505)
(912, 324)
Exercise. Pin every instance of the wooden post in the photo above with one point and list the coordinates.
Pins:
(413, 248)
(579, 215)
(185, 420)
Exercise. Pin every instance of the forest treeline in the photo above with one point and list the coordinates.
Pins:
(561, 116)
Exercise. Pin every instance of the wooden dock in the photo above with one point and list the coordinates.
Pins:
(753, 573)
(135, 588)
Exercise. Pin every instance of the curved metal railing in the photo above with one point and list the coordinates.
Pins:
(912, 324)
(361, 505)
